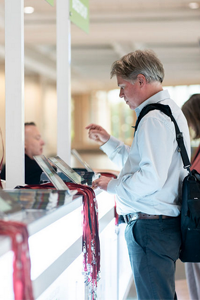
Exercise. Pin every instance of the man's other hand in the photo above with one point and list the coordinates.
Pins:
(101, 182)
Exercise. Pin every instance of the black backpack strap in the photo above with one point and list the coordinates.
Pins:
(179, 136)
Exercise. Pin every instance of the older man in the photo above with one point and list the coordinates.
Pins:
(33, 146)
(147, 187)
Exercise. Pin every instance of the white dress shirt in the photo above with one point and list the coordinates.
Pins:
(152, 168)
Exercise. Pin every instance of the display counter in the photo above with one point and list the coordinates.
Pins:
(55, 244)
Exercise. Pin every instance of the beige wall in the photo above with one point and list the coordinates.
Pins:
(40, 102)
(89, 108)
(50, 120)
(40, 106)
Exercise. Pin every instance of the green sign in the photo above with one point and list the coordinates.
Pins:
(79, 13)
(50, 2)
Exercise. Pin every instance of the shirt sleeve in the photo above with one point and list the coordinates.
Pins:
(156, 144)
(116, 150)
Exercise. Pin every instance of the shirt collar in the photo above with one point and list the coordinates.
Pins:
(162, 95)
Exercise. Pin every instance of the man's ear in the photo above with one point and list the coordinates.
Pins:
(142, 80)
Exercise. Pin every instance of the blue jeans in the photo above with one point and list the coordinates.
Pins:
(153, 247)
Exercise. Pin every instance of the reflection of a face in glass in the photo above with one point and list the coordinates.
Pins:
(33, 141)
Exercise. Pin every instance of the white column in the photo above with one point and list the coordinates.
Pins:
(14, 78)
(63, 81)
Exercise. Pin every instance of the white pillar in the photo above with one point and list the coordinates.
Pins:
(14, 78)
(63, 81)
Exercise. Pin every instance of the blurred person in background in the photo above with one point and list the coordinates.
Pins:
(33, 146)
(191, 110)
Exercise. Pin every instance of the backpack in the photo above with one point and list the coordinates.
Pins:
(190, 208)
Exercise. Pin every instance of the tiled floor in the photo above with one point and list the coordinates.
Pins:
(181, 290)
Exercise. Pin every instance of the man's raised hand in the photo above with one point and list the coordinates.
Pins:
(98, 133)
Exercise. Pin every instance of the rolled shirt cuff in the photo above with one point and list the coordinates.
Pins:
(110, 145)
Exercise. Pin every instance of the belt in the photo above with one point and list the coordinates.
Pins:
(139, 216)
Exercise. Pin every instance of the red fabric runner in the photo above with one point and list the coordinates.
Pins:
(18, 233)
(21, 263)
(90, 241)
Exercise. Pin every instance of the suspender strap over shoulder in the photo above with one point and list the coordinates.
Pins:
(179, 136)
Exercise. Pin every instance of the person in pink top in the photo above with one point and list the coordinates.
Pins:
(191, 110)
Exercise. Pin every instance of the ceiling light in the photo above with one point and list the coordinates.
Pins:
(193, 5)
(28, 10)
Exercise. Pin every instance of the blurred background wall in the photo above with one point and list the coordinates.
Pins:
(103, 107)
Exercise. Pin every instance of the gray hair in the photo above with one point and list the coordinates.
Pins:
(139, 62)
